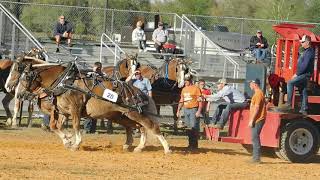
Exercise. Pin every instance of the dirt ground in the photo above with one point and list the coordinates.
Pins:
(35, 154)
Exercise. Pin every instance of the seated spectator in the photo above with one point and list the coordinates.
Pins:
(159, 36)
(139, 37)
(259, 46)
(233, 99)
(62, 30)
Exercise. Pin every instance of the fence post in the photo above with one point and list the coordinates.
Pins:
(241, 34)
(112, 21)
(1, 18)
(13, 43)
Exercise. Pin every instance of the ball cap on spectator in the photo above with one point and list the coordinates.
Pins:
(256, 81)
(305, 38)
(259, 31)
(222, 81)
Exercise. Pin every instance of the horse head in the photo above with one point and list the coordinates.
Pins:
(182, 70)
(17, 70)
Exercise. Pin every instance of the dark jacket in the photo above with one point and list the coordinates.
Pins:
(59, 28)
(306, 62)
(254, 40)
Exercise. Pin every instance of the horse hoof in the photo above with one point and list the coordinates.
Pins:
(168, 152)
(137, 150)
(125, 147)
(74, 148)
(9, 122)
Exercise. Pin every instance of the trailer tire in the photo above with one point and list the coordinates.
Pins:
(299, 141)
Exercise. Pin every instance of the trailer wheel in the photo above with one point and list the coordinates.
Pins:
(299, 142)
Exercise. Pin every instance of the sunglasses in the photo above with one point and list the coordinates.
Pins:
(137, 73)
(61, 18)
(303, 41)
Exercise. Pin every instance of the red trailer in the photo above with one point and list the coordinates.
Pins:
(292, 136)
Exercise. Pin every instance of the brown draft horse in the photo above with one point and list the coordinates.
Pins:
(76, 104)
(5, 66)
(167, 80)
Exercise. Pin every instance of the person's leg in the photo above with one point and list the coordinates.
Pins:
(263, 54)
(46, 120)
(294, 82)
(195, 128)
(69, 37)
(304, 99)
(255, 137)
(158, 47)
(58, 39)
(93, 126)
(224, 116)
(87, 125)
(216, 116)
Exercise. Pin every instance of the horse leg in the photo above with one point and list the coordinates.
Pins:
(30, 111)
(109, 127)
(76, 128)
(175, 119)
(58, 130)
(143, 140)
(129, 139)
(13, 122)
(5, 102)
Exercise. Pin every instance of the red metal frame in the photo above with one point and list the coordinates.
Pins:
(286, 65)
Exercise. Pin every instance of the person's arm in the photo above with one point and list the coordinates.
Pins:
(265, 43)
(154, 36)
(55, 29)
(144, 36)
(253, 115)
(134, 36)
(305, 62)
(129, 77)
(69, 27)
(208, 106)
(253, 43)
(180, 105)
(149, 87)
(215, 97)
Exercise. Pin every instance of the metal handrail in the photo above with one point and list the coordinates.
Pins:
(233, 62)
(22, 28)
(116, 47)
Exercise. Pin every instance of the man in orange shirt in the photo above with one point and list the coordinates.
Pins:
(190, 95)
(256, 119)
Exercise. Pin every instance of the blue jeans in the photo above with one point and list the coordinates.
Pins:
(301, 82)
(260, 53)
(255, 137)
(221, 115)
(46, 120)
(191, 121)
(90, 125)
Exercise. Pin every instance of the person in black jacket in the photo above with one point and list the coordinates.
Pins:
(259, 46)
(300, 78)
(62, 30)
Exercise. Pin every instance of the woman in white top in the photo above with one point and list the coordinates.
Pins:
(139, 37)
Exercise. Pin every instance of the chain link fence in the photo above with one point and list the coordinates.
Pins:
(243, 27)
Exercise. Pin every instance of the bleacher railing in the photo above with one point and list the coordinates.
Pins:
(111, 46)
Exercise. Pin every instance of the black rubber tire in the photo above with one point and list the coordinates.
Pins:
(285, 152)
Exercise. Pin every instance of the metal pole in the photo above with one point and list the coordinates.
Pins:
(241, 35)
(100, 57)
(201, 53)
(13, 43)
(105, 16)
(1, 18)
(115, 56)
(27, 45)
(112, 19)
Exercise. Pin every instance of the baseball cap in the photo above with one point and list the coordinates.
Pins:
(305, 38)
(257, 81)
(222, 81)
(259, 31)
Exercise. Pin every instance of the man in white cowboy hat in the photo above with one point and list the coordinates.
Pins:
(233, 99)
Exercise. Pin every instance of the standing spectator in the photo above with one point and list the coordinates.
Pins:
(205, 103)
(233, 99)
(159, 36)
(259, 45)
(139, 37)
(190, 95)
(62, 30)
(90, 125)
(257, 118)
(305, 69)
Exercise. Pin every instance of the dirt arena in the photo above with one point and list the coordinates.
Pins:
(35, 154)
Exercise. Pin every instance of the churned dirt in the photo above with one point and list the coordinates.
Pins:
(35, 154)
